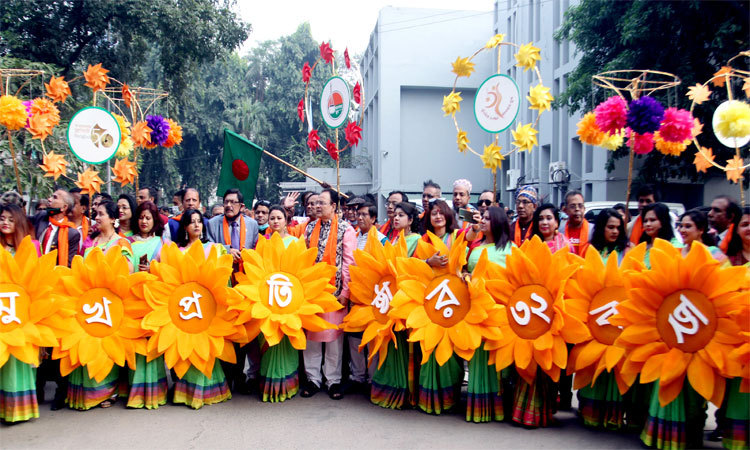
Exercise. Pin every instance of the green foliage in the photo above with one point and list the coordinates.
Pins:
(691, 39)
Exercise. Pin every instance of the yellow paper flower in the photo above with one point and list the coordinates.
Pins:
(734, 120)
(463, 141)
(670, 148)
(539, 98)
(124, 171)
(527, 56)
(53, 165)
(535, 325)
(734, 169)
(57, 89)
(189, 301)
(34, 315)
(284, 292)
(614, 141)
(524, 137)
(452, 103)
(495, 41)
(592, 296)
(462, 67)
(96, 77)
(676, 321)
(124, 127)
(106, 328)
(89, 181)
(13, 114)
(372, 287)
(492, 157)
(126, 146)
(445, 314)
(589, 132)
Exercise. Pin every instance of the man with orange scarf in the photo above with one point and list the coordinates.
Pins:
(526, 201)
(394, 198)
(576, 227)
(335, 241)
(78, 215)
(723, 216)
(54, 231)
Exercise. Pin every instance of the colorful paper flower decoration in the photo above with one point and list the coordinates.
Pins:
(127, 95)
(332, 150)
(524, 137)
(13, 113)
(535, 326)
(463, 141)
(44, 107)
(676, 321)
(462, 67)
(539, 98)
(492, 158)
(445, 314)
(126, 146)
(313, 141)
(735, 167)
(495, 41)
(175, 134)
(89, 181)
(96, 77)
(527, 56)
(357, 93)
(703, 159)
(642, 143)
(614, 141)
(452, 103)
(40, 127)
(35, 316)
(301, 110)
(284, 292)
(190, 317)
(699, 93)
(589, 132)
(670, 148)
(53, 165)
(373, 286)
(734, 120)
(718, 79)
(347, 61)
(159, 129)
(306, 73)
(677, 125)
(612, 114)
(353, 133)
(326, 52)
(124, 171)
(106, 329)
(57, 89)
(141, 134)
(645, 115)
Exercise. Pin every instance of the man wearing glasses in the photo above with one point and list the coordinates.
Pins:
(236, 232)
(486, 199)
(526, 200)
(723, 213)
(260, 213)
(577, 227)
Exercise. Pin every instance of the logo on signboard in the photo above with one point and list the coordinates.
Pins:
(93, 135)
(497, 103)
(335, 102)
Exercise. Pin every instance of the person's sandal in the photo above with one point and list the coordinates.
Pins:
(334, 391)
(108, 402)
(309, 390)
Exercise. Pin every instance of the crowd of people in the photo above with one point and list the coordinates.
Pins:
(73, 224)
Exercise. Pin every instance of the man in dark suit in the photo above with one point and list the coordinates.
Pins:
(191, 199)
(54, 231)
(237, 232)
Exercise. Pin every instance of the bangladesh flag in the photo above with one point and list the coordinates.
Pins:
(239, 166)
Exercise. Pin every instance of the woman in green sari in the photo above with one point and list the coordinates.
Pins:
(126, 214)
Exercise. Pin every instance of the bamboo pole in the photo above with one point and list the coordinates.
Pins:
(15, 163)
(297, 169)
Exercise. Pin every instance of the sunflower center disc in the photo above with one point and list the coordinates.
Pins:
(603, 307)
(686, 320)
(381, 301)
(99, 311)
(192, 308)
(447, 300)
(530, 311)
(282, 292)
(14, 307)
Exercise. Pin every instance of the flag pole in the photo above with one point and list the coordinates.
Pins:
(297, 169)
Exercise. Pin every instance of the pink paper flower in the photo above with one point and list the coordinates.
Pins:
(643, 143)
(677, 125)
(612, 114)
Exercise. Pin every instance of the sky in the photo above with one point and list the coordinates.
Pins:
(344, 23)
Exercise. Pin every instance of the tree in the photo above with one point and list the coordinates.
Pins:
(691, 39)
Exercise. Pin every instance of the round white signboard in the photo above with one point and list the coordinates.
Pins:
(497, 103)
(93, 135)
(334, 102)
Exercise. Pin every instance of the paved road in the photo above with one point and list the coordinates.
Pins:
(318, 422)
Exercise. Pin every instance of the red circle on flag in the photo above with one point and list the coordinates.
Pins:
(240, 169)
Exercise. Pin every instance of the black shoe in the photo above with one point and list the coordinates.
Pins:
(309, 390)
(334, 391)
(714, 436)
(58, 402)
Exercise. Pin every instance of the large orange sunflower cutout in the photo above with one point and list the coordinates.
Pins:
(593, 296)
(189, 315)
(106, 328)
(32, 315)
(677, 322)
(372, 288)
(535, 326)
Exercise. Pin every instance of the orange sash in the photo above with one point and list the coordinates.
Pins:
(517, 234)
(637, 231)
(329, 255)
(387, 229)
(724, 244)
(84, 228)
(583, 238)
(62, 239)
(228, 236)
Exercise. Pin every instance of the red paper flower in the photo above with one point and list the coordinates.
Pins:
(301, 110)
(346, 58)
(326, 52)
(353, 133)
(332, 150)
(643, 143)
(306, 72)
(313, 140)
(357, 93)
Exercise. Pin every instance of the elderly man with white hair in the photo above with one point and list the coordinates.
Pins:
(461, 197)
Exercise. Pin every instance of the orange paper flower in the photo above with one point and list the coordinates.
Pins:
(127, 96)
(699, 93)
(589, 132)
(89, 181)
(96, 77)
(124, 171)
(670, 148)
(54, 165)
(175, 134)
(141, 134)
(13, 113)
(734, 169)
(57, 89)
(44, 107)
(721, 80)
(703, 159)
(40, 127)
